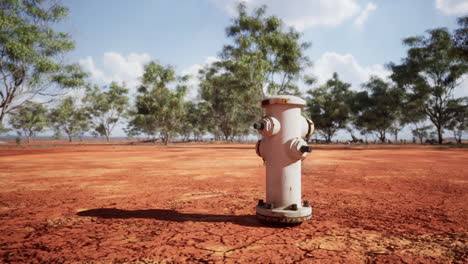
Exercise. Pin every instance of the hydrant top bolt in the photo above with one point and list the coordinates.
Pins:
(258, 126)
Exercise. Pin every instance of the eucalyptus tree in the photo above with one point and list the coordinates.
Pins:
(421, 132)
(461, 37)
(328, 106)
(156, 102)
(459, 124)
(226, 102)
(195, 121)
(264, 56)
(69, 118)
(431, 71)
(31, 53)
(141, 124)
(379, 107)
(106, 107)
(29, 119)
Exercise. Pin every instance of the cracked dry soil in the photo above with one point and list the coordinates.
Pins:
(195, 204)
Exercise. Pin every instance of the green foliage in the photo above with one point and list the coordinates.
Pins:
(263, 58)
(430, 72)
(159, 109)
(329, 108)
(106, 107)
(69, 118)
(461, 37)
(378, 107)
(459, 124)
(227, 103)
(30, 119)
(31, 52)
(421, 132)
(195, 121)
(3, 129)
(141, 124)
(264, 54)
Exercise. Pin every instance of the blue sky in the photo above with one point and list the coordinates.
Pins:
(356, 38)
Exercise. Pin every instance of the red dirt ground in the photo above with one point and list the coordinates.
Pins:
(195, 204)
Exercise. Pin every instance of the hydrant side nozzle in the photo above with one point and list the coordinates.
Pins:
(305, 149)
(258, 126)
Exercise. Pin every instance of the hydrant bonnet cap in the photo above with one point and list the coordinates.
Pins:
(283, 99)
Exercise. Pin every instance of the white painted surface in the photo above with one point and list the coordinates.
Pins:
(282, 157)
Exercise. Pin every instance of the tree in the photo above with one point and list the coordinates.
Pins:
(70, 118)
(459, 124)
(31, 53)
(141, 124)
(106, 108)
(3, 129)
(30, 119)
(159, 104)
(430, 72)
(421, 132)
(461, 37)
(264, 56)
(226, 102)
(328, 106)
(379, 107)
(194, 121)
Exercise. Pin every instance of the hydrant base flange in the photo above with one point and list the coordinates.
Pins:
(284, 220)
(279, 215)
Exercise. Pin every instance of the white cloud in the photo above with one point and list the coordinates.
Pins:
(452, 7)
(193, 82)
(362, 18)
(116, 67)
(89, 66)
(348, 69)
(301, 14)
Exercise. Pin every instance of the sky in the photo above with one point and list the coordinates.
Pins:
(355, 38)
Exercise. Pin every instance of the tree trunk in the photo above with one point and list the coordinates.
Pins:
(69, 138)
(29, 139)
(439, 135)
(382, 136)
(2, 115)
(166, 139)
(457, 138)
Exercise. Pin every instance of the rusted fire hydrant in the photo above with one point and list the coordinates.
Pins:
(282, 149)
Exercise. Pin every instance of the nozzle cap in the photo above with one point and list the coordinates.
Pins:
(306, 149)
(258, 126)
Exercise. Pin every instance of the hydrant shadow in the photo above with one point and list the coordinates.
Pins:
(170, 215)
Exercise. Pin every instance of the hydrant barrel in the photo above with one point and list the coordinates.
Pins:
(283, 149)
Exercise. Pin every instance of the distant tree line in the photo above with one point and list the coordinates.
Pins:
(263, 58)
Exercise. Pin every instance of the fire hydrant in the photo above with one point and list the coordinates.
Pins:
(282, 149)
